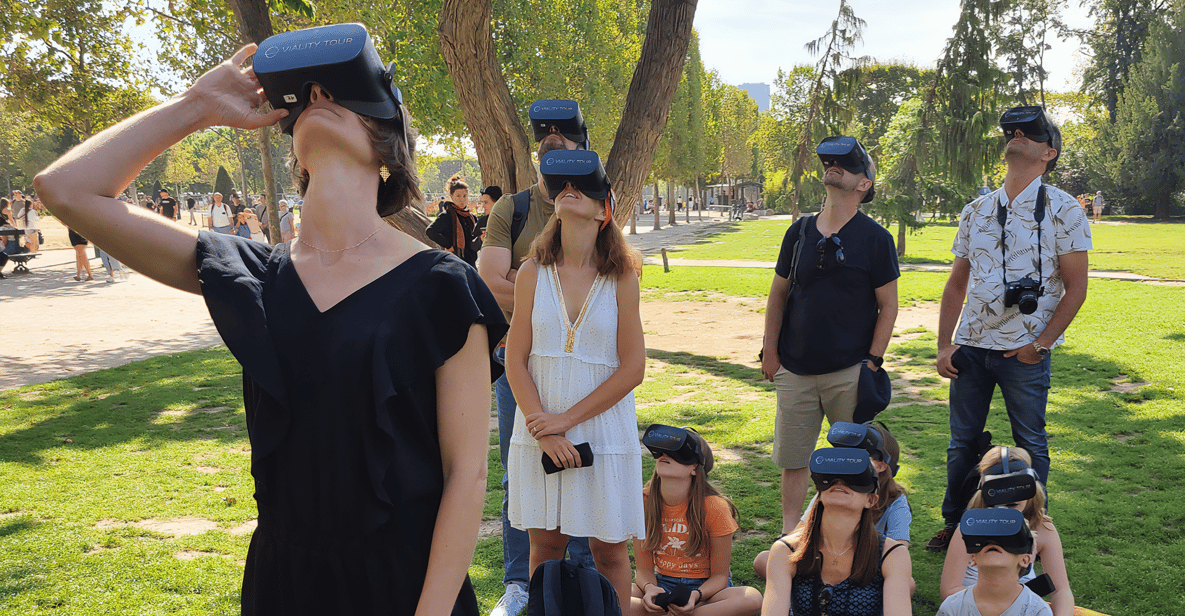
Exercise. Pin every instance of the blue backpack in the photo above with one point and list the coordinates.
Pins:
(563, 588)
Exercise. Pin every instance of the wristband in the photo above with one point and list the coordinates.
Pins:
(701, 595)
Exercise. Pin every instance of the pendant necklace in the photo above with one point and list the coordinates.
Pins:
(834, 556)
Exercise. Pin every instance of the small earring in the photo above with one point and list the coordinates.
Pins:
(384, 172)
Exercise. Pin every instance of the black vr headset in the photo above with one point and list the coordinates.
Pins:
(851, 466)
(340, 58)
(564, 115)
(850, 156)
(998, 526)
(678, 443)
(1009, 481)
(862, 436)
(1031, 121)
(581, 168)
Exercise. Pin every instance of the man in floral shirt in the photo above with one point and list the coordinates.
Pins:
(999, 243)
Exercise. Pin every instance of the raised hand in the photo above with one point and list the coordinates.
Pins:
(230, 95)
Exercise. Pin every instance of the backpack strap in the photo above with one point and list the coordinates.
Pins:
(551, 584)
(592, 595)
(522, 205)
(798, 248)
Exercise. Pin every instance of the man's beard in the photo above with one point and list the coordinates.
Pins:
(548, 145)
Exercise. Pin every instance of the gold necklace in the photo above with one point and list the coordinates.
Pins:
(306, 243)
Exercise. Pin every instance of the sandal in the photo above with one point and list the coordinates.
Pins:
(76, 279)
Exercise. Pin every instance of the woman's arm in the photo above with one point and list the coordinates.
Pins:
(462, 412)
(779, 581)
(80, 188)
(721, 565)
(631, 352)
(954, 568)
(898, 571)
(1053, 562)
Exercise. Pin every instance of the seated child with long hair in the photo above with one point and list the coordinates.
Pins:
(959, 570)
(684, 561)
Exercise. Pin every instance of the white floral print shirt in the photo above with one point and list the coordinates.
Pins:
(985, 322)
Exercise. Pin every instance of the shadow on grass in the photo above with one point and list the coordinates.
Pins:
(1175, 337)
(190, 396)
(751, 376)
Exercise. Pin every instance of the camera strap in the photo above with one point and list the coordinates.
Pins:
(1038, 216)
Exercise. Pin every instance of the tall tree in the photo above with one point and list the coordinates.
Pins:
(1117, 40)
(679, 159)
(834, 49)
(1021, 37)
(67, 63)
(1149, 128)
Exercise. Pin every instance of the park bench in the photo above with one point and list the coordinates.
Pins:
(21, 261)
(723, 209)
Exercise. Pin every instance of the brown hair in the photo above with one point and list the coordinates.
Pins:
(614, 254)
(1034, 509)
(887, 487)
(399, 185)
(455, 183)
(697, 515)
(808, 538)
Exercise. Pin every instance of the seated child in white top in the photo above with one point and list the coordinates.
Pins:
(1001, 544)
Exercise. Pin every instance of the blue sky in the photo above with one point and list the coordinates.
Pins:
(749, 40)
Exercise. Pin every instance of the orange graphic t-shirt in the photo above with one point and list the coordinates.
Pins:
(670, 559)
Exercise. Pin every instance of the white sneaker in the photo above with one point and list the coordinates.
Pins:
(511, 603)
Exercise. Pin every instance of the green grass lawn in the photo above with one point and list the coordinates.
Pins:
(85, 462)
(1147, 248)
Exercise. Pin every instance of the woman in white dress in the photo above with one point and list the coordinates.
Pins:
(573, 357)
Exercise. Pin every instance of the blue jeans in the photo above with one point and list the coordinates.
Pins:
(1025, 388)
(669, 582)
(516, 544)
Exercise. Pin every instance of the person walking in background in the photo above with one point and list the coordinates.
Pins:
(221, 218)
(167, 206)
(191, 205)
(1097, 206)
(514, 223)
(485, 205)
(9, 245)
(1017, 281)
(830, 314)
(287, 232)
(81, 262)
(111, 265)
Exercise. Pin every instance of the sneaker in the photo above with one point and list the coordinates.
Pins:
(110, 279)
(940, 541)
(511, 603)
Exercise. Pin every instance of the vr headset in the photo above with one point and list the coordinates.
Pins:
(340, 58)
(851, 466)
(1031, 121)
(678, 443)
(998, 526)
(861, 436)
(850, 156)
(564, 115)
(1009, 481)
(581, 168)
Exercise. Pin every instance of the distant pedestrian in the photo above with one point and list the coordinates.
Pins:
(29, 220)
(191, 205)
(287, 231)
(453, 228)
(1098, 206)
(167, 206)
(221, 219)
(81, 262)
(110, 264)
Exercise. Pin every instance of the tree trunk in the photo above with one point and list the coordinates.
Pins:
(654, 204)
(652, 88)
(901, 226)
(467, 43)
(1163, 200)
(671, 202)
(255, 25)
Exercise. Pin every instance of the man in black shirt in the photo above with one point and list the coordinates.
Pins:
(831, 307)
(167, 206)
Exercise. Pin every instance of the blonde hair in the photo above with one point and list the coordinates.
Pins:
(1034, 510)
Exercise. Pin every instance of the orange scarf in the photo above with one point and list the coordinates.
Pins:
(457, 213)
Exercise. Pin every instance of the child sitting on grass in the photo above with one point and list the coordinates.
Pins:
(684, 562)
(1000, 544)
(1007, 480)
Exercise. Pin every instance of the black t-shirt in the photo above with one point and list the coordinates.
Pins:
(831, 312)
(168, 207)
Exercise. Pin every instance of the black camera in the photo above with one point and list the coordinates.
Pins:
(1023, 294)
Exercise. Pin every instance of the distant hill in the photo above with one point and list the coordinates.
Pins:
(758, 92)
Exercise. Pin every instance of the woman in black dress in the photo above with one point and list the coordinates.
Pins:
(81, 263)
(369, 454)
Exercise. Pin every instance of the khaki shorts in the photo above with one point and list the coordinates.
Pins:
(803, 401)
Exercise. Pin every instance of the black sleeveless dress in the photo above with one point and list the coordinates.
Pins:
(341, 412)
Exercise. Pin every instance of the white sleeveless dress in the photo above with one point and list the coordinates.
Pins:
(567, 362)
